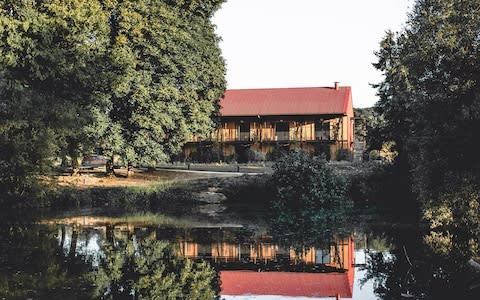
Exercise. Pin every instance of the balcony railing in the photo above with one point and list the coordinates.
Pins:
(235, 136)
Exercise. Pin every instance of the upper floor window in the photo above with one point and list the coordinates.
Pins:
(282, 126)
(244, 127)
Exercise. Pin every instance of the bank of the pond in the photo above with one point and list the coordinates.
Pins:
(169, 195)
(174, 189)
(158, 190)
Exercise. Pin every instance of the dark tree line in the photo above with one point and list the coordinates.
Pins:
(431, 94)
(430, 105)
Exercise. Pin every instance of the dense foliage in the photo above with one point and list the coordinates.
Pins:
(43, 262)
(409, 269)
(310, 198)
(430, 98)
(367, 126)
(128, 78)
(152, 269)
(302, 180)
(50, 55)
(33, 265)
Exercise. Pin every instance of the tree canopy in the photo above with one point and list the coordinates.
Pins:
(310, 199)
(430, 98)
(128, 78)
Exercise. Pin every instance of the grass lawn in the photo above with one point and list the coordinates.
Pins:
(97, 178)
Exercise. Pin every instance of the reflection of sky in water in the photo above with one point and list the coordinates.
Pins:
(90, 248)
(365, 291)
(88, 244)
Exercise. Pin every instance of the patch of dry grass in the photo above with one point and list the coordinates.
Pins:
(97, 178)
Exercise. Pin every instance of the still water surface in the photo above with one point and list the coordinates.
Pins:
(95, 254)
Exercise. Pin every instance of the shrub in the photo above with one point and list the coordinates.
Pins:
(386, 153)
(310, 199)
(305, 181)
(277, 153)
(453, 219)
(206, 155)
(344, 154)
(256, 191)
(255, 156)
(322, 150)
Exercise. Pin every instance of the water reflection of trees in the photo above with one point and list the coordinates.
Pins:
(32, 265)
(152, 269)
(310, 204)
(305, 227)
(70, 262)
(412, 269)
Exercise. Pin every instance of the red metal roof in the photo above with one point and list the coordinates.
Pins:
(236, 283)
(285, 101)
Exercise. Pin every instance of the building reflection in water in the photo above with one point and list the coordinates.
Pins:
(249, 263)
(261, 267)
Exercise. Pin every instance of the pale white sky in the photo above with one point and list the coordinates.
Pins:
(298, 43)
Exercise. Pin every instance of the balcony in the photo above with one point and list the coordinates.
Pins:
(233, 135)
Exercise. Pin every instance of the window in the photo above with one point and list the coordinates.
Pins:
(282, 131)
(282, 126)
(244, 127)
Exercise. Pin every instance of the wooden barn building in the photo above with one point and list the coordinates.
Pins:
(314, 119)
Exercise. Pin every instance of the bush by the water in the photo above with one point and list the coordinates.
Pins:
(254, 190)
(309, 196)
(304, 181)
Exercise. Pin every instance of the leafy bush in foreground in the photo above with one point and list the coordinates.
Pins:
(309, 196)
(305, 181)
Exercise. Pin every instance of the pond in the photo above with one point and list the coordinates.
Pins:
(99, 254)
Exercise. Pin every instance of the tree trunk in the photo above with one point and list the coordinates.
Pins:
(62, 241)
(75, 166)
(129, 170)
(64, 162)
(110, 234)
(109, 167)
(153, 166)
(73, 244)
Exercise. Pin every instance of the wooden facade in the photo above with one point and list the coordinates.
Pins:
(316, 128)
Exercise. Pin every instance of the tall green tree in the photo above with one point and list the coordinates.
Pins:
(430, 97)
(48, 53)
(129, 78)
(168, 75)
(367, 128)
